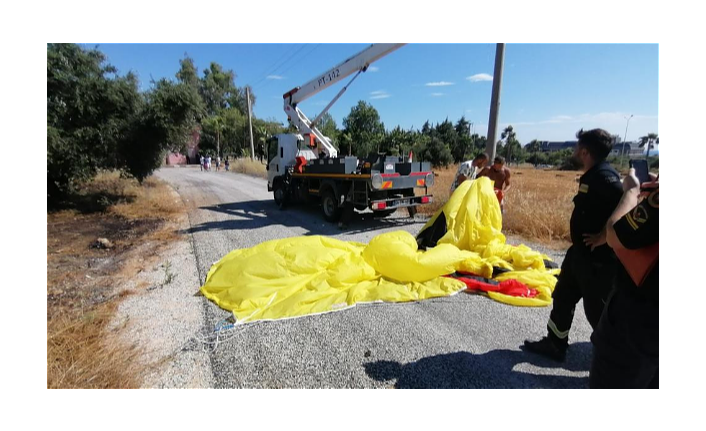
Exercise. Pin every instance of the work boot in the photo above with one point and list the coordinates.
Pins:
(547, 348)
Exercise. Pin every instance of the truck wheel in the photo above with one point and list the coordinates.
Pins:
(329, 205)
(280, 194)
(412, 211)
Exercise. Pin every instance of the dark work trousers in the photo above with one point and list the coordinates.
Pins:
(582, 276)
(626, 344)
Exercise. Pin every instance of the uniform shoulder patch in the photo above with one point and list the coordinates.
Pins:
(639, 214)
(653, 199)
(583, 188)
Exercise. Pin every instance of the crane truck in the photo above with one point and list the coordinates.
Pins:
(305, 166)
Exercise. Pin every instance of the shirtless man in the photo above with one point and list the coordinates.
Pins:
(500, 176)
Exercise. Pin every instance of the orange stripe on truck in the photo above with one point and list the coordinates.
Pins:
(387, 185)
(420, 182)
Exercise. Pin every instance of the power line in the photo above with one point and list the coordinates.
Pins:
(282, 64)
(273, 66)
(302, 58)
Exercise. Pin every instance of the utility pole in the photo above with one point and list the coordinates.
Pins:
(252, 145)
(495, 100)
(622, 156)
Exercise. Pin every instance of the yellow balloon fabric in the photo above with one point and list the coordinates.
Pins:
(316, 274)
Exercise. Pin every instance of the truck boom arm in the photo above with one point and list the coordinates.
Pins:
(357, 63)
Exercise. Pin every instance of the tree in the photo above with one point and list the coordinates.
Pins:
(533, 148)
(650, 140)
(479, 143)
(188, 73)
(216, 125)
(538, 158)
(171, 113)
(438, 153)
(229, 133)
(327, 126)
(420, 147)
(219, 92)
(446, 132)
(447, 135)
(97, 119)
(224, 129)
(563, 159)
(512, 145)
(399, 141)
(463, 145)
(365, 129)
(259, 140)
(463, 127)
(426, 128)
(273, 126)
(346, 142)
(236, 133)
(90, 110)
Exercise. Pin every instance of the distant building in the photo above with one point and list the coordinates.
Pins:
(192, 151)
(633, 149)
(552, 147)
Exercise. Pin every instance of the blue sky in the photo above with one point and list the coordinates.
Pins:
(549, 91)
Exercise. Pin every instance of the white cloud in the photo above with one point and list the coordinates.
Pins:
(275, 77)
(321, 103)
(380, 94)
(437, 94)
(439, 84)
(373, 69)
(478, 77)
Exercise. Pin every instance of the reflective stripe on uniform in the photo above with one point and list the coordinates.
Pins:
(560, 334)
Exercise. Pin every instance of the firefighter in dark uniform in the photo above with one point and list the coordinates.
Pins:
(589, 264)
(626, 342)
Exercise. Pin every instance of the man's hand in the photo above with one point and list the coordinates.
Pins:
(631, 181)
(594, 240)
